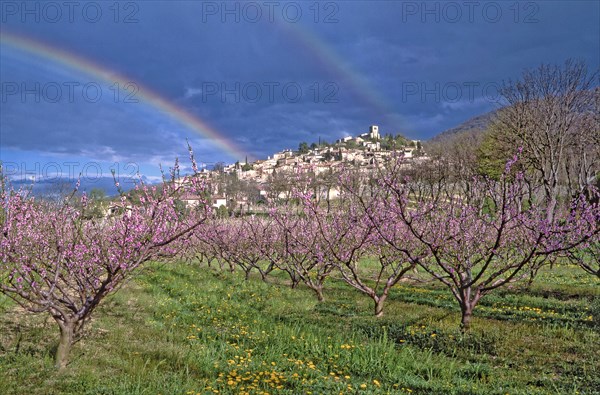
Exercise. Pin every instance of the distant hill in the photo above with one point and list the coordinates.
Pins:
(475, 124)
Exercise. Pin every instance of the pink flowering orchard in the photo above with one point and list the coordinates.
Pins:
(301, 250)
(240, 242)
(482, 239)
(350, 242)
(53, 260)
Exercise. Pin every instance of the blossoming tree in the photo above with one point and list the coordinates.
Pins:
(56, 260)
(479, 241)
(301, 250)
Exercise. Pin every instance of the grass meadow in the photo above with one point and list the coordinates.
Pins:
(186, 329)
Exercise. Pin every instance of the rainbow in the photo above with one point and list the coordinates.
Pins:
(145, 94)
(326, 56)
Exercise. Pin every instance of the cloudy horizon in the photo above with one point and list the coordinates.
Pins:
(126, 84)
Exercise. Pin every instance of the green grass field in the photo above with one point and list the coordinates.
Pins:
(185, 329)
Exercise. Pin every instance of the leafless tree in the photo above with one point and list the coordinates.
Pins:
(552, 112)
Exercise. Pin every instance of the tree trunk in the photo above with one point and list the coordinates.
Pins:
(263, 274)
(320, 296)
(465, 323)
(295, 283)
(379, 305)
(67, 337)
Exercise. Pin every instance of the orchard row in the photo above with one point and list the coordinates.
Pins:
(472, 236)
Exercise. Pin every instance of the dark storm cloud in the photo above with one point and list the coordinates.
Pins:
(427, 68)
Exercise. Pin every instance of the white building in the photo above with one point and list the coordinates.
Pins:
(218, 201)
(288, 153)
(374, 132)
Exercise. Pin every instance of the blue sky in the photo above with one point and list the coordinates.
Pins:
(264, 76)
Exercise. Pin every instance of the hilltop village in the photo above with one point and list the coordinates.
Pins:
(248, 186)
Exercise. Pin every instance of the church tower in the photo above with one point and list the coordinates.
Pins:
(374, 132)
